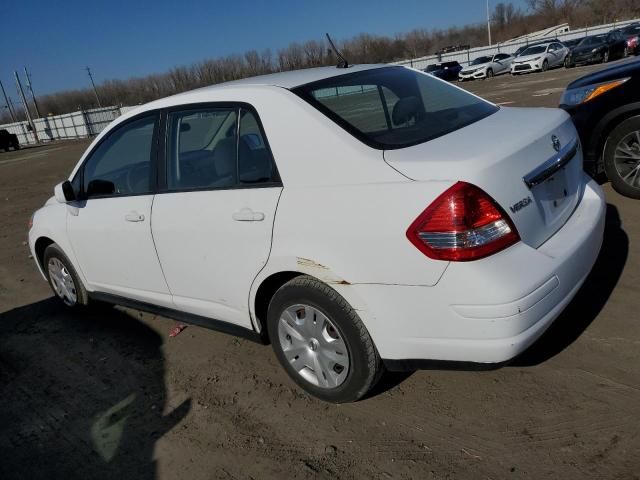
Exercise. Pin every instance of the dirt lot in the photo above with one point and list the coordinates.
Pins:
(107, 393)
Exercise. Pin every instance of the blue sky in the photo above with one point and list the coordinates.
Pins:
(121, 39)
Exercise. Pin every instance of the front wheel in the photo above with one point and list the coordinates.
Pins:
(545, 66)
(321, 342)
(567, 62)
(605, 56)
(622, 158)
(63, 278)
(489, 73)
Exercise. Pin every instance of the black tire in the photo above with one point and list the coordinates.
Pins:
(489, 73)
(55, 252)
(617, 182)
(16, 146)
(545, 65)
(567, 62)
(605, 56)
(365, 366)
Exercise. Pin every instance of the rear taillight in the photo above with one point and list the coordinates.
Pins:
(462, 224)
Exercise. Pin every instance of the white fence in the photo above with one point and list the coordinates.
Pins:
(84, 123)
(466, 56)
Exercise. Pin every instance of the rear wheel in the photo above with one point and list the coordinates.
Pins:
(622, 158)
(321, 342)
(63, 278)
(567, 62)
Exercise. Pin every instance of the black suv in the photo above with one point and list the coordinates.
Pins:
(445, 70)
(598, 48)
(605, 107)
(8, 140)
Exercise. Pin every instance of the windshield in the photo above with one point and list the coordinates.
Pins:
(480, 60)
(590, 41)
(534, 50)
(394, 107)
(631, 30)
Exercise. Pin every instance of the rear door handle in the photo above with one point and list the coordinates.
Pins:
(248, 215)
(134, 217)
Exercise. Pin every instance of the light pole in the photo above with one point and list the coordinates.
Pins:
(488, 23)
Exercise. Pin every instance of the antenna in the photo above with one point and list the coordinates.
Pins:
(343, 61)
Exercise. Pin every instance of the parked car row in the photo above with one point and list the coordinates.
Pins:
(545, 54)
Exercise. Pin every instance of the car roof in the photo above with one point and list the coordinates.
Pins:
(287, 80)
(296, 78)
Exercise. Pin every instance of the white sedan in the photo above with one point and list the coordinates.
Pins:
(540, 57)
(358, 219)
(487, 67)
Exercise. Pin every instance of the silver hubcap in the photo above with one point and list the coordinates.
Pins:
(627, 159)
(62, 282)
(313, 346)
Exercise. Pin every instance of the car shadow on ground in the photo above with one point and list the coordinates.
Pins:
(82, 394)
(590, 299)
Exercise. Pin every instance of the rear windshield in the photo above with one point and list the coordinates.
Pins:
(394, 107)
(433, 68)
(590, 41)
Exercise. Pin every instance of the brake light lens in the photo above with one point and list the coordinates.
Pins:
(462, 224)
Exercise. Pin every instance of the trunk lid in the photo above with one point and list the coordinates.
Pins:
(511, 156)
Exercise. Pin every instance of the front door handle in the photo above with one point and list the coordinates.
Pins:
(248, 215)
(134, 217)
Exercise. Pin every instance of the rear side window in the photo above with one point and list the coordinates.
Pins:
(202, 149)
(394, 107)
(255, 164)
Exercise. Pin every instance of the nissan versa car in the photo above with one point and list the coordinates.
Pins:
(357, 218)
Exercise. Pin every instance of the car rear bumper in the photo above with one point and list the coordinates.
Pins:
(490, 310)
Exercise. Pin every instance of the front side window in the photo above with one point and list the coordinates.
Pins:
(202, 149)
(121, 164)
(394, 107)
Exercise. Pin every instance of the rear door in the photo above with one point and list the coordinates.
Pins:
(213, 220)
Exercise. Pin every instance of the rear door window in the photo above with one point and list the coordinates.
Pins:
(201, 149)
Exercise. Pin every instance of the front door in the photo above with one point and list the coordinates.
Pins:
(110, 227)
(212, 227)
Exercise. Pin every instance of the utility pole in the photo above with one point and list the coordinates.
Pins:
(33, 95)
(26, 107)
(488, 23)
(94, 87)
(6, 100)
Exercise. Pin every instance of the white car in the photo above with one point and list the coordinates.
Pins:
(487, 67)
(358, 219)
(540, 57)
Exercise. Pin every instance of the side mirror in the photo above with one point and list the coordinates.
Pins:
(100, 187)
(63, 192)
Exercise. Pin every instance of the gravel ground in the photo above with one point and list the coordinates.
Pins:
(106, 392)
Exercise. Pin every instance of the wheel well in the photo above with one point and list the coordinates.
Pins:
(606, 131)
(266, 290)
(41, 245)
